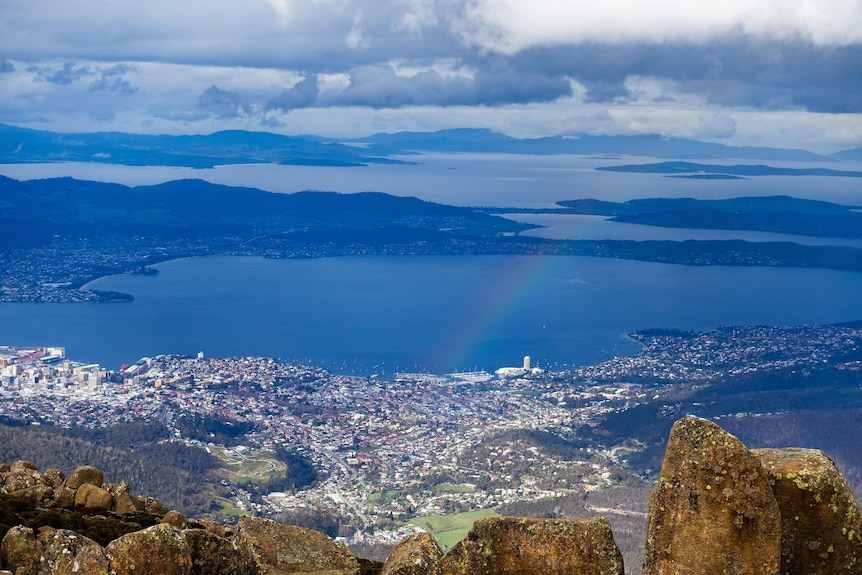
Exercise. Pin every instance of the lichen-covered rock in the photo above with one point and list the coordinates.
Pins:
(160, 549)
(154, 506)
(713, 511)
(38, 495)
(53, 477)
(821, 527)
(520, 546)
(220, 529)
(19, 551)
(22, 475)
(93, 497)
(22, 465)
(417, 554)
(125, 503)
(214, 555)
(64, 497)
(85, 474)
(176, 519)
(277, 549)
(68, 553)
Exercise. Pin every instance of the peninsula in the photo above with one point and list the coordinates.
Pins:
(56, 235)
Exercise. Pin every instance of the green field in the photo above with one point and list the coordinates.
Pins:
(451, 488)
(450, 529)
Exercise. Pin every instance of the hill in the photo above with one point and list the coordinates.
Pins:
(22, 145)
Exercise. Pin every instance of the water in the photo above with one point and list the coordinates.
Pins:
(441, 314)
(476, 179)
(584, 227)
(385, 314)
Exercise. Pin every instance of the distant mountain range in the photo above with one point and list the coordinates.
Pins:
(22, 145)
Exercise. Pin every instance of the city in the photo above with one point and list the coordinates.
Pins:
(389, 452)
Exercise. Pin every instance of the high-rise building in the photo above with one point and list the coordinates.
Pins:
(526, 362)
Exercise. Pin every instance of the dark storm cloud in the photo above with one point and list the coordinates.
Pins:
(220, 103)
(302, 95)
(730, 71)
(381, 87)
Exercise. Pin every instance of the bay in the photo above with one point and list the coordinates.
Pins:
(384, 314)
(501, 180)
(440, 314)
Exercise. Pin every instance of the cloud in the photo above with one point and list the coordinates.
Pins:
(220, 103)
(509, 26)
(64, 76)
(356, 37)
(113, 79)
(270, 62)
(731, 71)
(418, 15)
(301, 95)
(282, 8)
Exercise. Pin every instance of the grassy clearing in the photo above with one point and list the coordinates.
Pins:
(452, 488)
(230, 510)
(249, 464)
(450, 529)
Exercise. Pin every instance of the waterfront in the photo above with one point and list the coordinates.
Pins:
(441, 313)
(382, 314)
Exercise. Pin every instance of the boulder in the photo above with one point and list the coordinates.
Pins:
(821, 518)
(19, 551)
(37, 495)
(713, 510)
(520, 546)
(159, 549)
(68, 553)
(416, 554)
(116, 488)
(22, 465)
(53, 477)
(176, 519)
(125, 503)
(64, 497)
(154, 506)
(22, 475)
(214, 555)
(92, 497)
(85, 474)
(277, 549)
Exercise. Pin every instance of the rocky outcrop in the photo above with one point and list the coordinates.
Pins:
(821, 520)
(278, 549)
(20, 552)
(85, 489)
(713, 510)
(90, 496)
(65, 552)
(216, 555)
(718, 508)
(416, 554)
(85, 474)
(520, 546)
(159, 549)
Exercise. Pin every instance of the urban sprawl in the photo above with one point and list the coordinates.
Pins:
(389, 451)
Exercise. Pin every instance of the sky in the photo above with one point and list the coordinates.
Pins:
(784, 73)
